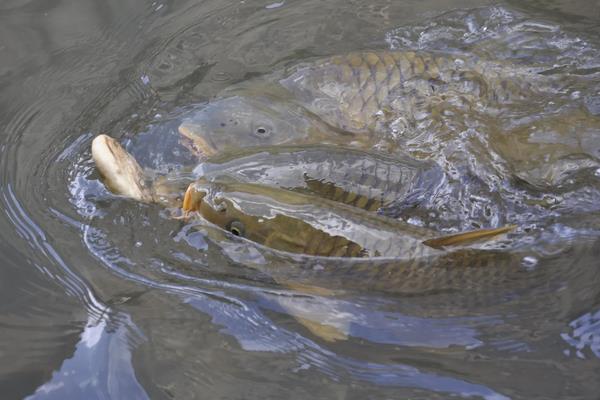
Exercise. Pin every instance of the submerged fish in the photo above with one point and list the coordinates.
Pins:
(303, 224)
(367, 180)
(352, 99)
(316, 242)
(357, 100)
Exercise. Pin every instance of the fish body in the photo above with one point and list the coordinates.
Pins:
(367, 180)
(303, 224)
(298, 223)
(313, 241)
(363, 98)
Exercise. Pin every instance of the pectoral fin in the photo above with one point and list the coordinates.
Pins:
(192, 199)
(467, 237)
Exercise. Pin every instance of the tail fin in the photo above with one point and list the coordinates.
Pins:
(121, 173)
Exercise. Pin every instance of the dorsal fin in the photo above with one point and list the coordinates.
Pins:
(466, 237)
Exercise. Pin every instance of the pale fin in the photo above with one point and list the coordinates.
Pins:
(310, 289)
(121, 173)
(467, 237)
(189, 204)
(192, 199)
(326, 332)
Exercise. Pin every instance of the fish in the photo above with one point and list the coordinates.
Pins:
(123, 175)
(362, 99)
(367, 180)
(298, 223)
(319, 243)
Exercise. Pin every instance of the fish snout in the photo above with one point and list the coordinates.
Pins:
(201, 144)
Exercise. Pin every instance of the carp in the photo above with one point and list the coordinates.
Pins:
(364, 99)
(293, 222)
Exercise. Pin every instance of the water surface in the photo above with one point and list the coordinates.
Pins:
(106, 298)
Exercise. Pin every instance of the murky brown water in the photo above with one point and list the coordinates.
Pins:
(106, 298)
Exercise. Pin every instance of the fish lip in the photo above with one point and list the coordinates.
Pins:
(203, 145)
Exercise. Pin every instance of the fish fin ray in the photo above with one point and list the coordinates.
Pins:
(467, 237)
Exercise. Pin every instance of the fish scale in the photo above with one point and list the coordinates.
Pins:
(362, 99)
(361, 86)
(365, 180)
(459, 270)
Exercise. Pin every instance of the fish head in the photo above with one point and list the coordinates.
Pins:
(264, 216)
(218, 204)
(240, 122)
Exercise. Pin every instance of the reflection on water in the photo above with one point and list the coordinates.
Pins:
(106, 298)
(584, 335)
(100, 367)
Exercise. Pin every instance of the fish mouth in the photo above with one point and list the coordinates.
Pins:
(200, 145)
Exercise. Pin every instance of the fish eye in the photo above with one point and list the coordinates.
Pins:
(236, 227)
(262, 132)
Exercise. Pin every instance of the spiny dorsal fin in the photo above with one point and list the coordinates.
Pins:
(467, 237)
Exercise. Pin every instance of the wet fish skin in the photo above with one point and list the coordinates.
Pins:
(349, 99)
(299, 223)
(298, 254)
(456, 270)
(239, 122)
(367, 180)
(465, 271)
(374, 87)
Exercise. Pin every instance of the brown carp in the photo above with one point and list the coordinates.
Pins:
(305, 241)
(360, 98)
(367, 180)
(298, 223)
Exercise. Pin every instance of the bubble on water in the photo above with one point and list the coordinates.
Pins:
(597, 173)
(145, 79)
(138, 244)
(274, 5)
(415, 221)
(584, 334)
(529, 262)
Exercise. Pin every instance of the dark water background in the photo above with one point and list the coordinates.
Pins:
(93, 304)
